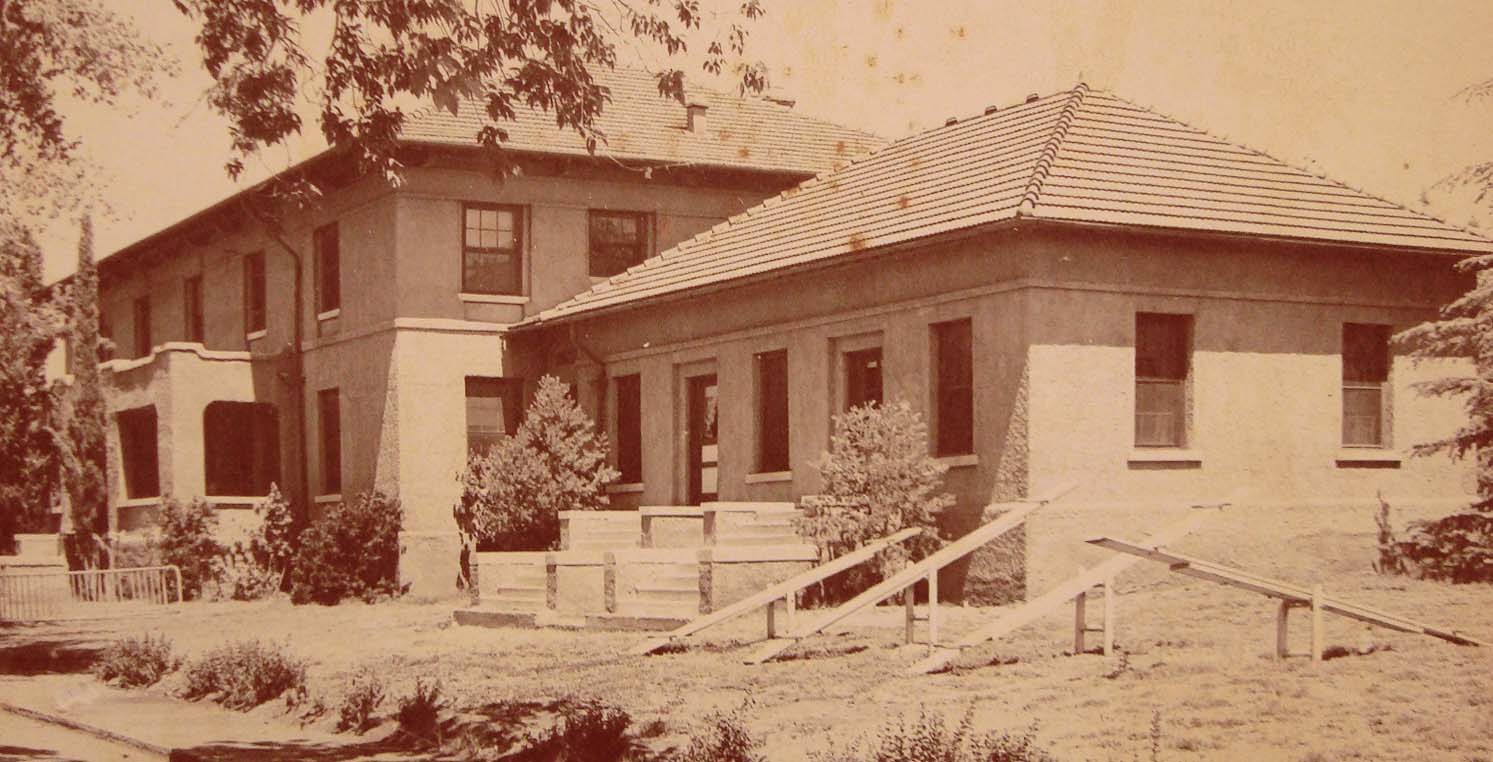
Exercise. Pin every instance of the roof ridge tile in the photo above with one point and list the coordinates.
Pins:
(1050, 150)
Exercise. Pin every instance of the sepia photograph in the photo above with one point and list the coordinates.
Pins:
(746, 381)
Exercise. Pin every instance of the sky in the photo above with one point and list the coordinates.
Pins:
(1364, 92)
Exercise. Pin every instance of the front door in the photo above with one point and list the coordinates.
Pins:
(704, 451)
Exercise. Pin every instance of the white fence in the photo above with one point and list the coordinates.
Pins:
(93, 593)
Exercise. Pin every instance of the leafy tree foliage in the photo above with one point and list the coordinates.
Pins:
(556, 461)
(879, 479)
(351, 552)
(189, 541)
(30, 323)
(510, 55)
(82, 436)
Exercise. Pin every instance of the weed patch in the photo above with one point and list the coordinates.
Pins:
(244, 674)
(136, 661)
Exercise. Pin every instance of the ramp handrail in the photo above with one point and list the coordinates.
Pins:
(1015, 513)
(45, 595)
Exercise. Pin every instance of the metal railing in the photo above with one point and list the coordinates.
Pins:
(92, 593)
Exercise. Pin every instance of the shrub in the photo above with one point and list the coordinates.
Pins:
(1455, 548)
(725, 740)
(136, 661)
(189, 542)
(261, 567)
(361, 698)
(880, 479)
(351, 552)
(556, 461)
(420, 712)
(586, 731)
(245, 673)
(930, 739)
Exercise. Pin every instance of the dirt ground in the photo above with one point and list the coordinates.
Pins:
(1197, 661)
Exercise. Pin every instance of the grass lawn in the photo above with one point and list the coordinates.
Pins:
(1198, 657)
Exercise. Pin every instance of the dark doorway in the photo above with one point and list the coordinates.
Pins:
(863, 377)
(704, 448)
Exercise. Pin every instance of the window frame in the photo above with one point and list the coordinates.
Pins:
(331, 446)
(517, 252)
(144, 341)
(327, 280)
(1180, 382)
(133, 447)
(946, 405)
(256, 309)
(509, 391)
(1379, 385)
(628, 423)
(644, 246)
(193, 309)
(771, 424)
(253, 456)
(846, 375)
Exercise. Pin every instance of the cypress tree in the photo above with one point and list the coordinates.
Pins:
(29, 326)
(85, 449)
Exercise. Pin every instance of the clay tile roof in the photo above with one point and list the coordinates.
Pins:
(1081, 156)
(750, 133)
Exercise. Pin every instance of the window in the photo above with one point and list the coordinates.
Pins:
(241, 448)
(254, 307)
(863, 377)
(328, 268)
(137, 451)
(772, 412)
(1163, 349)
(1365, 371)
(953, 388)
(619, 240)
(142, 326)
(191, 298)
(105, 351)
(629, 428)
(493, 406)
(331, 441)
(491, 249)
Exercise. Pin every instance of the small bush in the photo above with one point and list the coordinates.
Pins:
(420, 712)
(585, 731)
(136, 661)
(244, 674)
(556, 461)
(362, 697)
(261, 567)
(880, 479)
(725, 740)
(930, 739)
(189, 542)
(351, 552)
(1457, 548)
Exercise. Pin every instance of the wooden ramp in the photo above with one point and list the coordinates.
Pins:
(1290, 596)
(1015, 513)
(1074, 589)
(784, 591)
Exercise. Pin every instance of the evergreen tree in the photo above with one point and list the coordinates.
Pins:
(83, 445)
(29, 327)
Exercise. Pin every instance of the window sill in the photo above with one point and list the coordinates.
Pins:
(325, 499)
(234, 501)
(329, 314)
(139, 502)
(626, 488)
(769, 477)
(256, 335)
(1375, 456)
(494, 298)
(959, 461)
(1165, 455)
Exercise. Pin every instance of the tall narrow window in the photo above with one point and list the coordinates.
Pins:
(772, 412)
(330, 411)
(1365, 372)
(863, 377)
(142, 326)
(629, 428)
(953, 388)
(493, 406)
(254, 295)
(137, 450)
(105, 350)
(328, 266)
(191, 298)
(1163, 349)
(619, 240)
(491, 249)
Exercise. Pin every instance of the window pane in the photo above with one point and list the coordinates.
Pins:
(1365, 353)
(1159, 413)
(617, 241)
(1161, 345)
(1362, 415)
(493, 408)
(473, 220)
(863, 377)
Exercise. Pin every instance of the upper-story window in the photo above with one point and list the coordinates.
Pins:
(1163, 359)
(1365, 373)
(191, 298)
(254, 302)
(491, 249)
(328, 266)
(619, 240)
(142, 326)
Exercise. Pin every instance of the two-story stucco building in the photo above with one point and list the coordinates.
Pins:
(406, 296)
(1074, 288)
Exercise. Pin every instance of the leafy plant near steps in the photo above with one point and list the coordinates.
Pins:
(189, 542)
(136, 661)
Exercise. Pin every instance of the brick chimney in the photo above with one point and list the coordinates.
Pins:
(694, 116)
